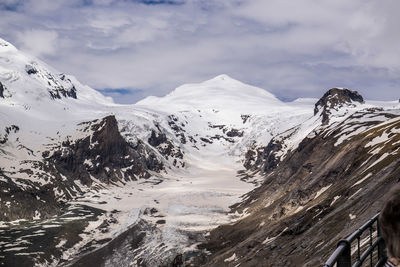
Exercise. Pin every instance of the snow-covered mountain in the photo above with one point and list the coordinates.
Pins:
(219, 93)
(144, 184)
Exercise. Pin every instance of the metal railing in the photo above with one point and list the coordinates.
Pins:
(342, 256)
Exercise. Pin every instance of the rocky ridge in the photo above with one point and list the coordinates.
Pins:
(103, 154)
(334, 100)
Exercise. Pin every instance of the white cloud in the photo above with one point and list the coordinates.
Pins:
(38, 42)
(291, 48)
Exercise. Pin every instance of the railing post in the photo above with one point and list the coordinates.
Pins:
(370, 244)
(344, 259)
(381, 245)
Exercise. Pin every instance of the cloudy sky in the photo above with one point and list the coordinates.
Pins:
(130, 49)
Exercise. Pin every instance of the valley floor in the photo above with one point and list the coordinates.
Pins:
(178, 210)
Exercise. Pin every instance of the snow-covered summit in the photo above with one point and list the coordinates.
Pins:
(6, 46)
(337, 100)
(221, 92)
(31, 82)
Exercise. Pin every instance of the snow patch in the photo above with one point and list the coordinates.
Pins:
(322, 190)
(36, 216)
(358, 191)
(382, 157)
(362, 180)
(379, 139)
(269, 240)
(231, 258)
(334, 200)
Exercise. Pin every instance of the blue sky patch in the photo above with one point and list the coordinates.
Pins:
(121, 91)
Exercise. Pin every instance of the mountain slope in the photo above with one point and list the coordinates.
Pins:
(319, 191)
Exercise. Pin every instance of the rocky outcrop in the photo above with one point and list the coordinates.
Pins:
(270, 159)
(263, 159)
(26, 202)
(7, 131)
(57, 87)
(159, 141)
(177, 127)
(2, 89)
(58, 92)
(335, 99)
(30, 69)
(234, 133)
(66, 92)
(104, 154)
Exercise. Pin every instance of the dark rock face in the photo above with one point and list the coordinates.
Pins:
(205, 140)
(312, 199)
(71, 92)
(177, 127)
(22, 198)
(335, 99)
(56, 89)
(227, 134)
(2, 89)
(8, 130)
(59, 91)
(17, 203)
(157, 139)
(263, 159)
(103, 155)
(234, 133)
(30, 69)
(271, 161)
(166, 148)
(245, 118)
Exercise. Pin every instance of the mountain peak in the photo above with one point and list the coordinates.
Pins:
(335, 99)
(220, 92)
(6, 46)
(28, 81)
(223, 82)
(223, 78)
